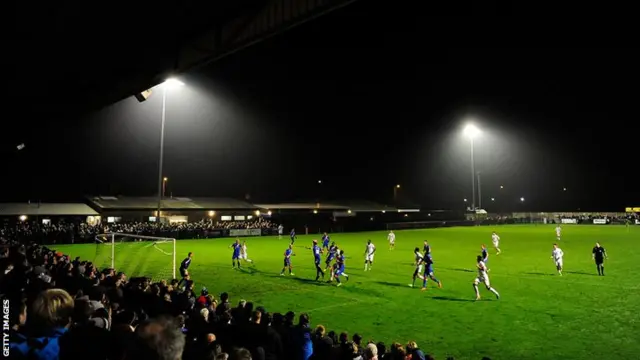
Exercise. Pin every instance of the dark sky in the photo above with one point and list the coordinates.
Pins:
(362, 105)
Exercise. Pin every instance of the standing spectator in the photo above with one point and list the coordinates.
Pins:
(158, 339)
(48, 321)
(302, 338)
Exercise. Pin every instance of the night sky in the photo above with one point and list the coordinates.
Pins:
(361, 106)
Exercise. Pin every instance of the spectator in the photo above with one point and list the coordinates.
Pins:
(49, 319)
(159, 339)
(303, 340)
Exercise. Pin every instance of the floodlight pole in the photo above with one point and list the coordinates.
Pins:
(164, 111)
(479, 192)
(473, 178)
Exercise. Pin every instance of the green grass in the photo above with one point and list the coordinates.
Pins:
(540, 315)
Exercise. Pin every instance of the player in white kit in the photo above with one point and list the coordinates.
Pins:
(392, 240)
(369, 251)
(243, 253)
(280, 231)
(419, 265)
(495, 239)
(483, 277)
(557, 255)
(558, 232)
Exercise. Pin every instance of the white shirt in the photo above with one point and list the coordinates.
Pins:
(391, 237)
(243, 249)
(482, 269)
(418, 257)
(280, 229)
(557, 254)
(370, 249)
(495, 238)
(558, 230)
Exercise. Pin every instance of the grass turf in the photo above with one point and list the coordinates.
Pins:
(539, 315)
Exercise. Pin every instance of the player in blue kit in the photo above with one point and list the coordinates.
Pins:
(333, 250)
(340, 268)
(428, 272)
(317, 259)
(426, 249)
(292, 235)
(287, 260)
(325, 241)
(184, 265)
(184, 268)
(485, 256)
(235, 258)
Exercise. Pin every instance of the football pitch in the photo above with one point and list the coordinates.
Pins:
(539, 316)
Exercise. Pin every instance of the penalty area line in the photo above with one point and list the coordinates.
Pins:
(349, 303)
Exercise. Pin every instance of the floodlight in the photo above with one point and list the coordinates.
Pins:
(173, 83)
(471, 131)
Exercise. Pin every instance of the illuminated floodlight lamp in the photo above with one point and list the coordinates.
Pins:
(23, 217)
(471, 131)
(522, 199)
(171, 82)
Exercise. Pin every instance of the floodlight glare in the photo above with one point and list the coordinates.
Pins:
(173, 83)
(471, 131)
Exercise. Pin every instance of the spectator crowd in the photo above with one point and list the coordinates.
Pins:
(69, 232)
(63, 308)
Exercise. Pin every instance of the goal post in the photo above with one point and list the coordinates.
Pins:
(137, 255)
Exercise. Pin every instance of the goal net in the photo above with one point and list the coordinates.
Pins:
(137, 255)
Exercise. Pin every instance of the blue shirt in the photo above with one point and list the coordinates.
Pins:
(340, 261)
(287, 253)
(185, 263)
(293, 234)
(43, 348)
(332, 253)
(325, 240)
(236, 249)
(316, 253)
(427, 249)
(484, 254)
(303, 342)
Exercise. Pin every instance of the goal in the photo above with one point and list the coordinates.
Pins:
(137, 255)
